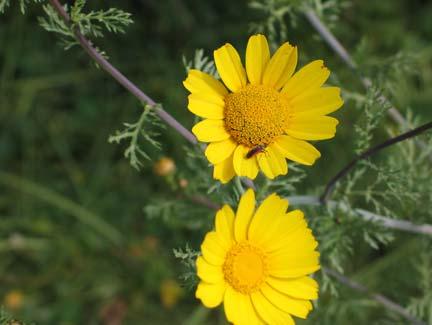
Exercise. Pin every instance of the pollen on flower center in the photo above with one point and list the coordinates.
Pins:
(255, 115)
(245, 267)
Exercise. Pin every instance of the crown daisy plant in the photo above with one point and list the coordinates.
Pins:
(264, 114)
(257, 263)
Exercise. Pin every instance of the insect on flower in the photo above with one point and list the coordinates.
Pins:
(255, 150)
(263, 102)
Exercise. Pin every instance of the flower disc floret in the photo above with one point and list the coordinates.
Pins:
(245, 267)
(255, 115)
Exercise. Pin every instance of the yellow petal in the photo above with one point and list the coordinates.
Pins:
(230, 305)
(320, 101)
(281, 66)
(312, 75)
(272, 163)
(244, 214)
(287, 235)
(290, 224)
(302, 241)
(293, 265)
(217, 152)
(268, 312)
(257, 57)
(230, 68)
(296, 307)
(275, 240)
(303, 288)
(206, 106)
(214, 249)
(225, 225)
(211, 295)
(245, 166)
(224, 171)
(270, 208)
(207, 272)
(210, 130)
(312, 128)
(296, 150)
(238, 308)
(198, 82)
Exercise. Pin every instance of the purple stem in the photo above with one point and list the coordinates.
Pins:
(125, 82)
(379, 298)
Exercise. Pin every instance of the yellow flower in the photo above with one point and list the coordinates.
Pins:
(258, 262)
(267, 112)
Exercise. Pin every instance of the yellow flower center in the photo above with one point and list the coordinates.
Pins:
(245, 267)
(255, 115)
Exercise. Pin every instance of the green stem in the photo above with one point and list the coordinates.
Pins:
(238, 185)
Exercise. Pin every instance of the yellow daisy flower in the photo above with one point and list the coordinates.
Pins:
(267, 112)
(258, 262)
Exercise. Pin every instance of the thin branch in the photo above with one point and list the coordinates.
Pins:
(344, 171)
(340, 50)
(425, 229)
(131, 87)
(379, 298)
(386, 222)
(248, 182)
(203, 201)
(121, 79)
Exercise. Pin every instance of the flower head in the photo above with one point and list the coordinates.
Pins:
(260, 116)
(257, 263)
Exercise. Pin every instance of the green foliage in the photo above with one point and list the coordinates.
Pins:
(422, 306)
(55, 24)
(7, 319)
(187, 258)
(178, 214)
(201, 62)
(387, 71)
(373, 109)
(284, 187)
(328, 10)
(22, 3)
(198, 165)
(278, 15)
(90, 24)
(333, 228)
(133, 132)
(69, 175)
(93, 23)
(274, 13)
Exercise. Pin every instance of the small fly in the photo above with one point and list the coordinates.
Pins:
(255, 150)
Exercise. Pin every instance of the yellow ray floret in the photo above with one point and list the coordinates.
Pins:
(257, 117)
(257, 263)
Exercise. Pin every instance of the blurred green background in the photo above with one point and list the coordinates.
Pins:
(58, 171)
